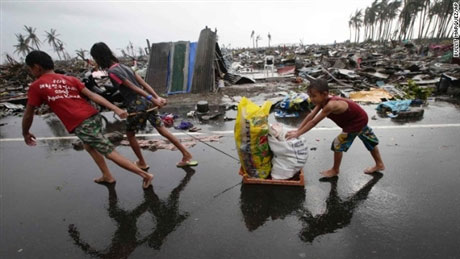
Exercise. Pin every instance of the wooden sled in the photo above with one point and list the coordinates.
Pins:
(297, 181)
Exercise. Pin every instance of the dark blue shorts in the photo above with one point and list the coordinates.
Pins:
(139, 121)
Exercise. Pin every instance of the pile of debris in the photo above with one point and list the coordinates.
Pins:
(402, 70)
(366, 72)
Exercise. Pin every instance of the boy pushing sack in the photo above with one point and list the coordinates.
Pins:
(63, 95)
(346, 114)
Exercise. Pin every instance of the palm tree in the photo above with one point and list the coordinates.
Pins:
(357, 22)
(392, 13)
(436, 11)
(350, 25)
(60, 48)
(23, 45)
(382, 10)
(446, 14)
(257, 40)
(52, 39)
(269, 39)
(425, 11)
(32, 37)
(415, 6)
(432, 13)
(405, 19)
(252, 37)
(373, 17)
(366, 22)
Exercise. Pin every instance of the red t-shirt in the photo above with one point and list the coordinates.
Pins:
(354, 119)
(62, 94)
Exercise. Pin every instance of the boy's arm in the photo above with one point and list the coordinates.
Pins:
(149, 89)
(309, 125)
(146, 86)
(310, 116)
(27, 120)
(141, 92)
(102, 101)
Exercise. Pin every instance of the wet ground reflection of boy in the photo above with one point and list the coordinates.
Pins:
(125, 240)
(338, 213)
(258, 203)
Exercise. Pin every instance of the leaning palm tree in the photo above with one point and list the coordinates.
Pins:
(60, 48)
(432, 13)
(350, 25)
(52, 39)
(393, 10)
(357, 23)
(446, 14)
(414, 6)
(405, 19)
(257, 40)
(375, 8)
(23, 45)
(366, 22)
(423, 17)
(382, 10)
(252, 37)
(32, 37)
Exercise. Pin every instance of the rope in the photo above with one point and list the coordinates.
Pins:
(223, 152)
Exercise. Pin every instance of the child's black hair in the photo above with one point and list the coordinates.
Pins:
(103, 55)
(319, 85)
(38, 57)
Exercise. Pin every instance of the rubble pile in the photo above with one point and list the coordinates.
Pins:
(403, 69)
(14, 80)
(367, 72)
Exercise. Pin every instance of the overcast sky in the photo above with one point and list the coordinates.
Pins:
(82, 23)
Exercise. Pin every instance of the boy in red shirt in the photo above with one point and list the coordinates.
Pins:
(63, 95)
(346, 114)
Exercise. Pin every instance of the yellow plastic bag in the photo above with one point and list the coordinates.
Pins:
(251, 137)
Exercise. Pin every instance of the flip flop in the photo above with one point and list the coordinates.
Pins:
(99, 181)
(143, 168)
(188, 163)
(194, 129)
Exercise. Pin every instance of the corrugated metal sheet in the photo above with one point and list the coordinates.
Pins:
(157, 71)
(237, 79)
(179, 67)
(204, 77)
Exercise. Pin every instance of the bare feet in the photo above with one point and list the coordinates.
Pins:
(147, 181)
(330, 173)
(373, 169)
(104, 180)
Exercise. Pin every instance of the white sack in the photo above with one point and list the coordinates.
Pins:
(289, 156)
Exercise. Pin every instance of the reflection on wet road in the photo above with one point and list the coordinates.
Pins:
(259, 203)
(51, 208)
(125, 240)
(338, 212)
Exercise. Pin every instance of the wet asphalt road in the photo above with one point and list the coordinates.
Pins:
(50, 208)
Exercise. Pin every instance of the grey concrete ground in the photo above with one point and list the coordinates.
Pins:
(50, 208)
